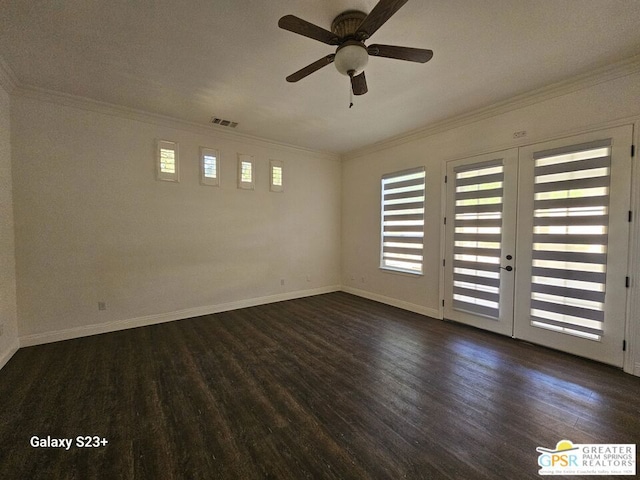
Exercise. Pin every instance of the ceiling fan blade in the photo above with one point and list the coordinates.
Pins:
(306, 29)
(419, 55)
(359, 84)
(382, 12)
(309, 69)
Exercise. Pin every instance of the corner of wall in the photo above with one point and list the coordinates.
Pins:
(8, 79)
(8, 305)
(9, 352)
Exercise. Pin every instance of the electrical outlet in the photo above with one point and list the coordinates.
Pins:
(282, 282)
(520, 134)
(102, 305)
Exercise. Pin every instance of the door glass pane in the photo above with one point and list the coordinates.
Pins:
(570, 229)
(478, 238)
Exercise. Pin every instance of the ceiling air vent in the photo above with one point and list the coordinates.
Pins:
(223, 123)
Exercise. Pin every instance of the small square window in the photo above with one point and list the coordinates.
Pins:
(167, 161)
(276, 178)
(246, 172)
(209, 166)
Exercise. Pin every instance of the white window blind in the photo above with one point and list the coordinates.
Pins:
(403, 195)
(209, 167)
(276, 178)
(571, 218)
(167, 161)
(246, 170)
(246, 174)
(478, 238)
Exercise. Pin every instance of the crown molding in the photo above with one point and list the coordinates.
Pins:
(628, 66)
(8, 79)
(105, 108)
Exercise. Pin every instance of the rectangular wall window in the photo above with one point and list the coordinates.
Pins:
(209, 166)
(246, 172)
(402, 221)
(276, 177)
(571, 218)
(167, 165)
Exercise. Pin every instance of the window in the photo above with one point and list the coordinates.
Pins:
(246, 173)
(478, 238)
(276, 180)
(209, 167)
(167, 161)
(402, 221)
(570, 229)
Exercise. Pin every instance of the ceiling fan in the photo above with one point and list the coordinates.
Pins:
(349, 30)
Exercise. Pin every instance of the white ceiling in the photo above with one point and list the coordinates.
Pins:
(193, 59)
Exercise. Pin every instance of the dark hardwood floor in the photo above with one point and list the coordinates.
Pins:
(332, 386)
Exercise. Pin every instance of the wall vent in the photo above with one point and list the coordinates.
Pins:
(223, 123)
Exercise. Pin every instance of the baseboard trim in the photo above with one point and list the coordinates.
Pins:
(96, 329)
(6, 356)
(394, 302)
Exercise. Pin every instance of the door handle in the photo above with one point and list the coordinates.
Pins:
(508, 268)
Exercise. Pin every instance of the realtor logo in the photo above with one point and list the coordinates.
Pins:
(568, 458)
(564, 455)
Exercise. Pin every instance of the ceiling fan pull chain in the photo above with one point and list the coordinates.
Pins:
(350, 96)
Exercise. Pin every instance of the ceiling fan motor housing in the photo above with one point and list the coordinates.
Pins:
(346, 24)
(351, 55)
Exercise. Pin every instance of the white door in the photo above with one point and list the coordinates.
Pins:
(562, 283)
(573, 239)
(480, 248)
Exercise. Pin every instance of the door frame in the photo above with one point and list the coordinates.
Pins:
(631, 362)
(610, 348)
(504, 324)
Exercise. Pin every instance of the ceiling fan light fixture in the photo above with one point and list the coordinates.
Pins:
(349, 30)
(351, 58)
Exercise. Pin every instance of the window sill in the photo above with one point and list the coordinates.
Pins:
(408, 273)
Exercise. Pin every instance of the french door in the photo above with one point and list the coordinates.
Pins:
(537, 242)
(481, 234)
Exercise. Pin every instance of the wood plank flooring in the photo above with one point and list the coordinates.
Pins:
(332, 386)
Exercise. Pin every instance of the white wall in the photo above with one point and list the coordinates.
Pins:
(587, 108)
(8, 315)
(93, 224)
